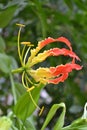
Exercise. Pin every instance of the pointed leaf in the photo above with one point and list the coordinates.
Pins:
(60, 122)
(6, 15)
(80, 123)
(25, 107)
(50, 115)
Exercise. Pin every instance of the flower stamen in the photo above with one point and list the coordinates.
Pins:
(27, 43)
(20, 25)
(25, 84)
(30, 89)
(19, 50)
(31, 95)
(41, 111)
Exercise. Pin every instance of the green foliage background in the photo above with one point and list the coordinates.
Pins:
(47, 18)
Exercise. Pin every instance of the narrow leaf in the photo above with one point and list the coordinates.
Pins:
(80, 123)
(60, 122)
(50, 115)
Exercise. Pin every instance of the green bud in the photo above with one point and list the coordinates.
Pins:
(5, 123)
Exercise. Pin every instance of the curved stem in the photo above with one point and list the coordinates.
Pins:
(13, 88)
(32, 97)
(23, 51)
(29, 80)
(23, 78)
(25, 84)
(26, 55)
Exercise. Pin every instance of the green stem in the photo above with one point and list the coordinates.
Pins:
(26, 55)
(31, 95)
(13, 88)
(19, 70)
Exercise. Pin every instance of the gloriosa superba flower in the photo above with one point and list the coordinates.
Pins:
(44, 75)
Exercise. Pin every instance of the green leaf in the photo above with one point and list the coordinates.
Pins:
(41, 15)
(13, 63)
(7, 63)
(69, 3)
(84, 116)
(20, 90)
(2, 44)
(13, 128)
(80, 4)
(60, 122)
(6, 15)
(50, 115)
(29, 124)
(25, 107)
(80, 123)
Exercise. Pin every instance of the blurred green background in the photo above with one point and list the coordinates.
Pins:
(45, 18)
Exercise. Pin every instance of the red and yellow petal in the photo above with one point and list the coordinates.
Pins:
(41, 74)
(60, 73)
(53, 74)
(67, 68)
(63, 51)
(43, 43)
(61, 78)
(53, 52)
(50, 40)
(39, 58)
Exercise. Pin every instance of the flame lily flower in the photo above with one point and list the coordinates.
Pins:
(44, 75)
(53, 74)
